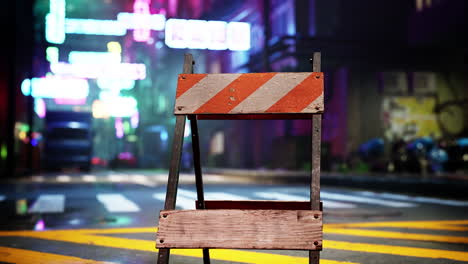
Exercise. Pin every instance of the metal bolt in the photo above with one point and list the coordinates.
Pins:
(164, 215)
(162, 241)
(316, 216)
(315, 243)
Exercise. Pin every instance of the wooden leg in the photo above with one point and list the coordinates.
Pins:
(173, 181)
(198, 174)
(314, 256)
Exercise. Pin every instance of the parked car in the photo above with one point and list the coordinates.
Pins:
(68, 140)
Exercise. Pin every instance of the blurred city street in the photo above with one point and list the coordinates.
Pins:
(365, 102)
(112, 216)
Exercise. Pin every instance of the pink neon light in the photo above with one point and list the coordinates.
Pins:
(40, 107)
(119, 129)
(70, 101)
(134, 120)
(142, 33)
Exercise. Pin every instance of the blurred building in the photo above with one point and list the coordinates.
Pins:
(396, 71)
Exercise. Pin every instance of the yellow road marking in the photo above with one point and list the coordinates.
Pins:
(396, 250)
(450, 225)
(396, 235)
(22, 256)
(86, 236)
(89, 237)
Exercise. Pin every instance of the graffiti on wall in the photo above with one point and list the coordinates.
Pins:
(409, 117)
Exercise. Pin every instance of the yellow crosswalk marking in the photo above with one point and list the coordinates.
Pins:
(448, 225)
(397, 250)
(88, 237)
(98, 237)
(22, 256)
(396, 235)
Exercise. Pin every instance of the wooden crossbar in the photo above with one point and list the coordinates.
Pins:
(242, 229)
(250, 93)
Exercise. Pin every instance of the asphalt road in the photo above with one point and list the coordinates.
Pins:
(93, 221)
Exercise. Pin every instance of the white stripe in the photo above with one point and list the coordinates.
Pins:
(318, 102)
(142, 180)
(37, 178)
(182, 202)
(63, 178)
(211, 195)
(117, 203)
(89, 178)
(2, 197)
(203, 91)
(49, 203)
(280, 196)
(416, 198)
(351, 198)
(290, 197)
(224, 196)
(270, 92)
(117, 177)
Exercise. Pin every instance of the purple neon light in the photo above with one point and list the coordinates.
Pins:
(141, 32)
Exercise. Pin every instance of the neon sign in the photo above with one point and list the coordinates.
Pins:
(55, 87)
(200, 34)
(115, 83)
(55, 22)
(89, 57)
(156, 22)
(133, 71)
(94, 27)
(141, 32)
(52, 54)
(115, 106)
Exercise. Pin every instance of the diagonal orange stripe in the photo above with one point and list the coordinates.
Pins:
(235, 93)
(187, 81)
(300, 97)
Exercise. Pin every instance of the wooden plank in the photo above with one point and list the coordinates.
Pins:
(254, 116)
(250, 93)
(174, 167)
(259, 205)
(314, 256)
(242, 229)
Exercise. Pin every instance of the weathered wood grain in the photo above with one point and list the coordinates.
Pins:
(250, 93)
(243, 229)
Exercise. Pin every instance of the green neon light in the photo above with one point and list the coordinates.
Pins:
(3, 152)
(52, 54)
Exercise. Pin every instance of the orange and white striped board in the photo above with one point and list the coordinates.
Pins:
(250, 93)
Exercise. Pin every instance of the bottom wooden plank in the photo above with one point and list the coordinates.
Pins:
(242, 229)
(259, 205)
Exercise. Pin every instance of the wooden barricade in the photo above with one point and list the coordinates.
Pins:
(243, 224)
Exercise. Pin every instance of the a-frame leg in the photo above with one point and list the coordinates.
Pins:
(174, 167)
(198, 174)
(314, 255)
(173, 180)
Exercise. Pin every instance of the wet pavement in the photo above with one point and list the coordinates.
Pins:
(113, 218)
